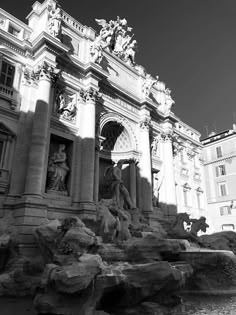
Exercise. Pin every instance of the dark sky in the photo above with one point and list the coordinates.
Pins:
(190, 44)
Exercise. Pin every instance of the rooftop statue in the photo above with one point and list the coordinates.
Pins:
(54, 21)
(114, 37)
(165, 107)
(148, 83)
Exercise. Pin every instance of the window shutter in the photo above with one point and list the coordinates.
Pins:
(217, 171)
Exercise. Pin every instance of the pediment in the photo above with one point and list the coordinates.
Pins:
(4, 130)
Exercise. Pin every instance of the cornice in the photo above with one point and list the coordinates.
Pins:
(224, 158)
(44, 40)
(186, 137)
(5, 112)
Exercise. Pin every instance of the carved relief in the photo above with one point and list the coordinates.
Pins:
(177, 145)
(66, 105)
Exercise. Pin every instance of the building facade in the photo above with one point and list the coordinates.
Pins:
(220, 172)
(73, 102)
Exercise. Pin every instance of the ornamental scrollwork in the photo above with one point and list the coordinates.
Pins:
(166, 136)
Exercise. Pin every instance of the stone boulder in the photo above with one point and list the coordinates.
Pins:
(79, 239)
(48, 236)
(122, 285)
(225, 240)
(214, 270)
(73, 277)
(152, 248)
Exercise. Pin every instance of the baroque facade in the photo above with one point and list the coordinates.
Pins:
(220, 170)
(73, 102)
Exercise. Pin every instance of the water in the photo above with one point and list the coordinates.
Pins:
(192, 305)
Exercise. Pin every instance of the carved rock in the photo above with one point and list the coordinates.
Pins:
(225, 240)
(214, 271)
(151, 248)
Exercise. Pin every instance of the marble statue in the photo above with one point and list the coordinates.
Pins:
(114, 37)
(165, 107)
(129, 52)
(148, 83)
(96, 50)
(54, 21)
(121, 193)
(57, 171)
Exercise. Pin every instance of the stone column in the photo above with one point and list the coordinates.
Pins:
(133, 182)
(88, 151)
(168, 199)
(145, 167)
(78, 154)
(40, 130)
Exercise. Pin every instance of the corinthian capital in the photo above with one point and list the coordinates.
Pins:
(166, 136)
(46, 71)
(145, 123)
(92, 95)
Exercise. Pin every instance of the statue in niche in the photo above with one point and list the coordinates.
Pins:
(148, 83)
(121, 193)
(66, 105)
(57, 171)
(154, 146)
(54, 21)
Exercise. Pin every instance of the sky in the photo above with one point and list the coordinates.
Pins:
(189, 44)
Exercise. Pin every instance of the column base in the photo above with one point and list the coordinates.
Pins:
(87, 210)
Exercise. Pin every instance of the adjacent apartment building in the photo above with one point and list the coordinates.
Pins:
(220, 172)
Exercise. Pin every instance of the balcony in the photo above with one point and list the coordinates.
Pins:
(10, 94)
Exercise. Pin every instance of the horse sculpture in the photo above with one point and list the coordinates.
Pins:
(178, 225)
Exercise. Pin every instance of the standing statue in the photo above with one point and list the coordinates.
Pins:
(129, 52)
(148, 83)
(54, 21)
(96, 50)
(165, 107)
(57, 171)
(120, 191)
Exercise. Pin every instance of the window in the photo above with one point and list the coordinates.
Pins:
(7, 74)
(222, 189)
(225, 210)
(218, 152)
(13, 30)
(227, 227)
(220, 170)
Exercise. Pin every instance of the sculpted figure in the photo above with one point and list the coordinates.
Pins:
(57, 171)
(129, 52)
(96, 50)
(198, 225)
(148, 84)
(118, 186)
(54, 21)
(66, 105)
(106, 33)
(167, 105)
